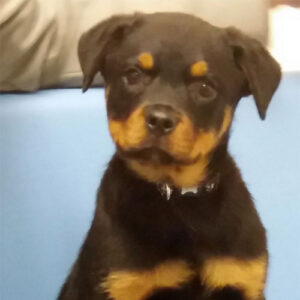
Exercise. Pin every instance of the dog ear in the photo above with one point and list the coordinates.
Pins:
(261, 71)
(93, 44)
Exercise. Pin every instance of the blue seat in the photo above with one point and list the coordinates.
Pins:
(54, 147)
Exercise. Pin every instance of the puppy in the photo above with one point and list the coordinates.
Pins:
(174, 219)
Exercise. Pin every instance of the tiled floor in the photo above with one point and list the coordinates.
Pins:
(285, 37)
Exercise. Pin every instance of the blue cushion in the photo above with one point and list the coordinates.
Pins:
(54, 146)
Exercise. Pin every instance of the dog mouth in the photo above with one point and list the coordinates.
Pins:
(155, 155)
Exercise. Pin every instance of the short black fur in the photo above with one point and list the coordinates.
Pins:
(134, 227)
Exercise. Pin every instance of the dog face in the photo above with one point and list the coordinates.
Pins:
(173, 82)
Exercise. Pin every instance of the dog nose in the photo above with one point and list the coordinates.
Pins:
(160, 119)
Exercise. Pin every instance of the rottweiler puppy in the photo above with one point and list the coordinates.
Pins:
(174, 219)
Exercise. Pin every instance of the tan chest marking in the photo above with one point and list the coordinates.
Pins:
(247, 275)
(136, 285)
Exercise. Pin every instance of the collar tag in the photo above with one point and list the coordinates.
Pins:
(193, 190)
(167, 191)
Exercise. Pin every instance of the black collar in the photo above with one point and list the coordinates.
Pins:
(210, 185)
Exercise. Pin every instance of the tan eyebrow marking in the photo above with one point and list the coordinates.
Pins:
(199, 68)
(146, 60)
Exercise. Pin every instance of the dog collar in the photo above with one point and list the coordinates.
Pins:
(167, 190)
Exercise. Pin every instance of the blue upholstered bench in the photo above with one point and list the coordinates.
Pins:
(54, 146)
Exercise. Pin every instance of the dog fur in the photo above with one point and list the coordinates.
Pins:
(173, 83)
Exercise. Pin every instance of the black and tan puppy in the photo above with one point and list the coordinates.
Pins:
(174, 220)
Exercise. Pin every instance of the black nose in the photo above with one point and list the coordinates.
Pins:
(160, 119)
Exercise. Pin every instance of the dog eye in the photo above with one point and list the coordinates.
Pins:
(202, 91)
(205, 90)
(132, 76)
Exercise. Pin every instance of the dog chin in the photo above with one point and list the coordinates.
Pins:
(152, 155)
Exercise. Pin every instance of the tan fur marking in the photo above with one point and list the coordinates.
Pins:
(226, 121)
(136, 285)
(208, 140)
(129, 133)
(146, 61)
(198, 68)
(205, 142)
(107, 92)
(185, 143)
(182, 139)
(248, 275)
(178, 175)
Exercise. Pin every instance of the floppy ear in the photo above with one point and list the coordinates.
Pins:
(261, 71)
(93, 44)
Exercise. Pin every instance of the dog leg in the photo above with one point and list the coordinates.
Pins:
(137, 285)
(246, 276)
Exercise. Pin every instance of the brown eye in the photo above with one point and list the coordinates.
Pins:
(206, 90)
(132, 76)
